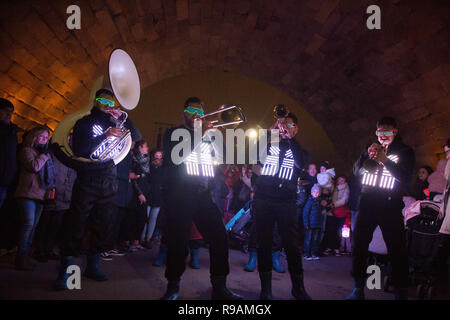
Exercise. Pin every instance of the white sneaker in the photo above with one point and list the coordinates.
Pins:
(337, 253)
(115, 252)
(105, 256)
(133, 249)
(308, 258)
(315, 258)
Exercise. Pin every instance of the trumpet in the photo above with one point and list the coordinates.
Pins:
(371, 164)
(227, 116)
(280, 111)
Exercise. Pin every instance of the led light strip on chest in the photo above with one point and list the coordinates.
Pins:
(387, 181)
(271, 165)
(199, 162)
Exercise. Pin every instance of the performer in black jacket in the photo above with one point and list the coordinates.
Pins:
(187, 198)
(384, 170)
(275, 201)
(94, 190)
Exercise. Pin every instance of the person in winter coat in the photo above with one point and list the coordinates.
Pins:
(418, 189)
(156, 179)
(8, 147)
(340, 210)
(49, 226)
(326, 176)
(444, 248)
(437, 180)
(37, 176)
(312, 221)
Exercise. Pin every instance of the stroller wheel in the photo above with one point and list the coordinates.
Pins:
(386, 283)
(430, 293)
(420, 291)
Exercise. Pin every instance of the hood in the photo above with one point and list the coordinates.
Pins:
(436, 180)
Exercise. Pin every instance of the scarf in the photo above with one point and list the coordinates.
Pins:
(47, 175)
(142, 162)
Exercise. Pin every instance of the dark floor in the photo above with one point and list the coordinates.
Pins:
(133, 277)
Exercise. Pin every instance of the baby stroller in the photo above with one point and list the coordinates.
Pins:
(423, 245)
(238, 232)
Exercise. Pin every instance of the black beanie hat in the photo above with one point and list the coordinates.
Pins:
(324, 164)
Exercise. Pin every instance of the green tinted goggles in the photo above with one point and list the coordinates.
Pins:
(193, 110)
(106, 102)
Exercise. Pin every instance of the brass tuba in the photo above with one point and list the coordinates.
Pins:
(123, 78)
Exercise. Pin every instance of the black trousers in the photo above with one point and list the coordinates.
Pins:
(378, 210)
(181, 210)
(333, 229)
(48, 231)
(285, 215)
(133, 222)
(253, 238)
(92, 206)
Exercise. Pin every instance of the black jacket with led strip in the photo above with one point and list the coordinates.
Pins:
(188, 176)
(391, 180)
(279, 182)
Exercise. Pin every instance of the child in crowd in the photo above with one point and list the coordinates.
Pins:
(312, 221)
(346, 247)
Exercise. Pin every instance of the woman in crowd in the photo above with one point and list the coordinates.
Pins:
(49, 226)
(36, 178)
(420, 186)
(138, 213)
(437, 180)
(155, 179)
(340, 211)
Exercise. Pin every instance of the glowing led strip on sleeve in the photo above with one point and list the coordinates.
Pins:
(387, 181)
(199, 162)
(271, 166)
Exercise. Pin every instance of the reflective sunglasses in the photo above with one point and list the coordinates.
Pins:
(106, 102)
(388, 133)
(292, 125)
(193, 110)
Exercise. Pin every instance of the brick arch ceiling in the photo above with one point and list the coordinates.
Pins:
(318, 52)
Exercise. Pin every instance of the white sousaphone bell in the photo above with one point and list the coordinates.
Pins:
(123, 78)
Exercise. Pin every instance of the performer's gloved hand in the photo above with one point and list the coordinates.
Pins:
(116, 132)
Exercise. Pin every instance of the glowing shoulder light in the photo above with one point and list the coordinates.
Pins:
(386, 181)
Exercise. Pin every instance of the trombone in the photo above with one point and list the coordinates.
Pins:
(229, 115)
